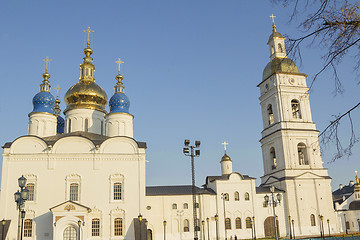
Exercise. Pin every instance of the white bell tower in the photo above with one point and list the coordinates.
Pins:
(290, 144)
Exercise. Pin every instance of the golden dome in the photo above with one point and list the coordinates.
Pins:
(280, 65)
(225, 158)
(86, 94)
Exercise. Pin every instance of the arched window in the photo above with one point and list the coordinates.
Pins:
(118, 227)
(70, 233)
(117, 191)
(312, 220)
(69, 125)
(301, 147)
(174, 206)
(86, 128)
(186, 225)
(74, 192)
(272, 50)
(237, 196)
(186, 206)
(31, 188)
(248, 222)
(238, 223)
(273, 157)
(27, 228)
(295, 109)
(227, 223)
(95, 227)
(247, 196)
(270, 114)
(280, 48)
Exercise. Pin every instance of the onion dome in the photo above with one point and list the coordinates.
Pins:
(60, 120)
(225, 158)
(119, 102)
(44, 101)
(86, 93)
(280, 65)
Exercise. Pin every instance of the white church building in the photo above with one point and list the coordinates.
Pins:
(97, 171)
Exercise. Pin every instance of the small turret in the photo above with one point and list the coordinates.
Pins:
(226, 162)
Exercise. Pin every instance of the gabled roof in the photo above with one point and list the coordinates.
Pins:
(340, 195)
(72, 202)
(266, 189)
(176, 190)
(97, 139)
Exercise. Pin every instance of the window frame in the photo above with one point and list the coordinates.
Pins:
(296, 111)
(238, 223)
(120, 231)
(236, 196)
(247, 196)
(116, 178)
(117, 195)
(28, 228)
(95, 227)
(227, 223)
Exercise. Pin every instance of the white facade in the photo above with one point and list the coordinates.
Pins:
(89, 183)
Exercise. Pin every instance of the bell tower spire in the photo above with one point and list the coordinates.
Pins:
(276, 42)
(87, 68)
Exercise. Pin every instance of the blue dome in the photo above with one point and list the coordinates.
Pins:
(44, 102)
(60, 125)
(119, 102)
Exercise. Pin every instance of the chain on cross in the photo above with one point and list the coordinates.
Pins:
(88, 31)
(47, 60)
(119, 62)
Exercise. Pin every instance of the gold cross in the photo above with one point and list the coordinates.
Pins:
(57, 90)
(88, 33)
(273, 18)
(47, 60)
(225, 143)
(119, 62)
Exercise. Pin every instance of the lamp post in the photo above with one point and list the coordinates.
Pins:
(290, 227)
(203, 229)
(328, 222)
(22, 215)
(164, 223)
(3, 223)
(346, 230)
(20, 198)
(358, 220)
(273, 203)
(190, 151)
(321, 226)
(140, 219)
(224, 197)
(293, 226)
(79, 224)
(254, 228)
(208, 227)
(217, 226)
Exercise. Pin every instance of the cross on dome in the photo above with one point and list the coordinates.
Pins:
(119, 62)
(47, 60)
(273, 22)
(88, 31)
(57, 91)
(225, 144)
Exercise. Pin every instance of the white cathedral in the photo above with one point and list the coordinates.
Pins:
(97, 172)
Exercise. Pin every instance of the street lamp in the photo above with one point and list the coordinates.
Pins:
(321, 227)
(217, 227)
(208, 228)
(22, 215)
(290, 227)
(3, 223)
(292, 222)
(254, 228)
(346, 230)
(273, 202)
(79, 224)
(192, 152)
(225, 197)
(164, 223)
(140, 219)
(203, 229)
(20, 198)
(328, 222)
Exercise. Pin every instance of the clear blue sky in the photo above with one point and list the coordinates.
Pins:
(191, 70)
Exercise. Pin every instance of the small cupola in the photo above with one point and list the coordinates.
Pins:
(276, 42)
(226, 162)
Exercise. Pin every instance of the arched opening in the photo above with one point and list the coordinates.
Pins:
(70, 233)
(280, 48)
(247, 196)
(269, 227)
(273, 158)
(312, 220)
(186, 225)
(355, 205)
(302, 154)
(248, 222)
(237, 196)
(270, 114)
(227, 223)
(238, 223)
(295, 109)
(149, 234)
(117, 191)
(272, 50)
(174, 206)
(69, 126)
(186, 206)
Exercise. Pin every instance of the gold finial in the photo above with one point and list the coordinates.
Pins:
(273, 22)
(47, 60)
(57, 91)
(119, 62)
(225, 144)
(357, 178)
(88, 33)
